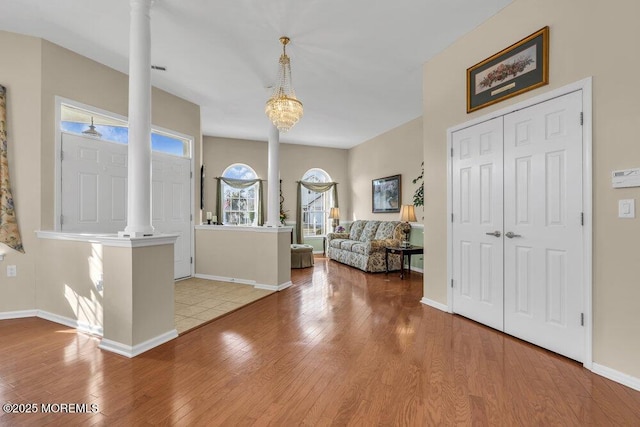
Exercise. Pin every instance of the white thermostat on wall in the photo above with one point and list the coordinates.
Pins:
(626, 178)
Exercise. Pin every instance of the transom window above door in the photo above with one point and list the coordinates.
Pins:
(83, 122)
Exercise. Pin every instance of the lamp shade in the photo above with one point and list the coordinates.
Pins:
(334, 213)
(408, 213)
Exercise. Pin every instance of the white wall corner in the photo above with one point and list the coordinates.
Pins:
(133, 351)
(274, 288)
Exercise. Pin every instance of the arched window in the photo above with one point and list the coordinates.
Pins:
(240, 196)
(315, 206)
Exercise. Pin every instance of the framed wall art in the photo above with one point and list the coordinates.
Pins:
(521, 67)
(385, 194)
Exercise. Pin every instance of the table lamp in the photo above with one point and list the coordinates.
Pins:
(407, 214)
(334, 214)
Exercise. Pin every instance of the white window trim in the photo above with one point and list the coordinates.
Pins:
(257, 202)
(326, 212)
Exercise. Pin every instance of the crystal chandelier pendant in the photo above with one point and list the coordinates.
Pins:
(283, 108)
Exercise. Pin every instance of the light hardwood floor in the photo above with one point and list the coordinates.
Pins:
(340, 347)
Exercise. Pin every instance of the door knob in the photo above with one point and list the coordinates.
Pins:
(495, 233)
(511, 235)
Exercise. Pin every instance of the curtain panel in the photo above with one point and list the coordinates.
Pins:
(9, 231)
(318, 187)
(239, 184)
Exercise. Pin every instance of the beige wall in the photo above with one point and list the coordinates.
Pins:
(295, 160)
(75, 77)
(71, 271)
(153, 285)
(118, 299)
(255, 255)
(34, 71)
(20, 73)
(398, 151)
(587, 38)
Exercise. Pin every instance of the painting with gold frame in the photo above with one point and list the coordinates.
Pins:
(521, 67)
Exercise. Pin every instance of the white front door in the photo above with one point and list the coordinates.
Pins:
(94, 185)
(94, 193)
(171, 209)
(543, 212)
(477, 223)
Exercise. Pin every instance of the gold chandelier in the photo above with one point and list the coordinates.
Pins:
(283, 108)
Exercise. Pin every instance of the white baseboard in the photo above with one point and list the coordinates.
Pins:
(616, 376)
(226, 279)
(253, 283)
(435, 304)
(55, 318)
(133, 351)
(21, 314)
(417, 270)
(105, 344)
(274, 288)
(72, 323)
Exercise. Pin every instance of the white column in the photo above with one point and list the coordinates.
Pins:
(273, 180)
(139, 151)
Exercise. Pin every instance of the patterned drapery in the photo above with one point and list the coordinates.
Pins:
(9, 232)
(318, 187)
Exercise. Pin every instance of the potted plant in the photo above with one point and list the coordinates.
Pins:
(418, 195)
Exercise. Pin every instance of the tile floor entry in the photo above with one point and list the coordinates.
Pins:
(198, 301)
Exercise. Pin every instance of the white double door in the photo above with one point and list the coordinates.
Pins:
(517, 224)
(94, 193)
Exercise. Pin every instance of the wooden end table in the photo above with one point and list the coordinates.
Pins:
(408, 251)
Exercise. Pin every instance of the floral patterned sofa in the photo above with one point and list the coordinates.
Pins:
(363, 246)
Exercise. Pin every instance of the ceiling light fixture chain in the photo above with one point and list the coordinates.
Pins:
(283, 108)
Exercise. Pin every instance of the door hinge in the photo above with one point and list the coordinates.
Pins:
(581, 218)
(451, 151)
(191, 260)
(581, 319)
(452, 283)
(451, 217)
(581, 118)
(191, 174)
(61, 155)
(191, 217)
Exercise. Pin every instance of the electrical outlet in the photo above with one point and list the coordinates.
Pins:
(12, 271)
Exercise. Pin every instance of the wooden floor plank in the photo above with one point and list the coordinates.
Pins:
(339, 347)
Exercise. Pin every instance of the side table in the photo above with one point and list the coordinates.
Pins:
(408, 251)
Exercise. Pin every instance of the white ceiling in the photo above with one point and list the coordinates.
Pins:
(356, 64)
